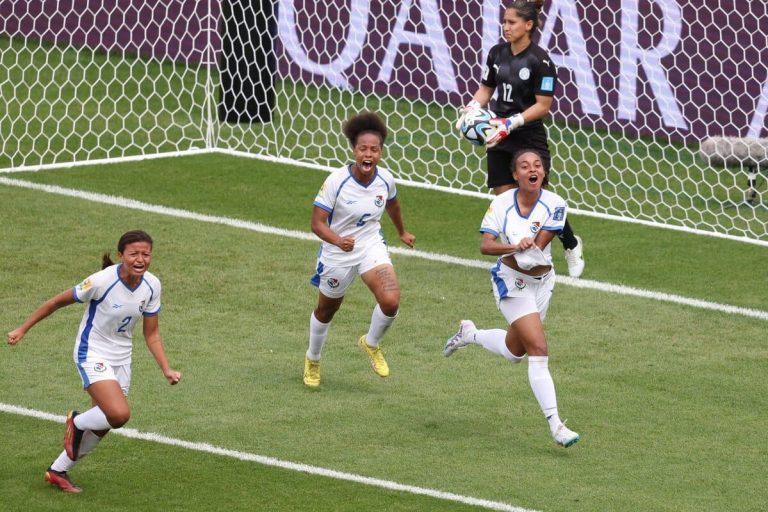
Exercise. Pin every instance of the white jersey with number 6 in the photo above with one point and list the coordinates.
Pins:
(106, 330)
(354, 210)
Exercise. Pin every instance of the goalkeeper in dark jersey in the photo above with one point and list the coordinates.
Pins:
(524, 78)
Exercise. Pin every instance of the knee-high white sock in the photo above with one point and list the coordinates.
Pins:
(92, 419)
(62, 462)
(543, 388)
(88, 443)
(379, 325)
(318, 331)
(494, 340)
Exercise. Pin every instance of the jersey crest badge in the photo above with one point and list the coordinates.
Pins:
(519, 283)
(100, 367)
(559, 213)
(535, 227)
(379, 201)
(524, 74)
(333, 283)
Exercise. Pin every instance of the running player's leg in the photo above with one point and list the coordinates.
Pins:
(382, 281)
(332, 283)
(574, 254)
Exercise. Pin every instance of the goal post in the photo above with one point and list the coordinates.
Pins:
(247, 63)
(642, 84)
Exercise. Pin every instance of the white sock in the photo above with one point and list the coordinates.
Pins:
(63, 463)
(318, 331)
(494, 340)
(88, 443)
(379, 325)
(92, 419)
(543, 388)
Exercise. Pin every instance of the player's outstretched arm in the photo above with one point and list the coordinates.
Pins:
(46, 309)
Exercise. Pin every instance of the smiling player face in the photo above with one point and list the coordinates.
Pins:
(367, 153)
(136, 258)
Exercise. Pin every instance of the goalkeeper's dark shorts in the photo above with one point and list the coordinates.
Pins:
(499, 158)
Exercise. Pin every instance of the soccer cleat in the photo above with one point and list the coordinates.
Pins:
(375, 356)
(575, 259)
(72, 436)
(61, 480)
(311, 373)
(564, 436)
(460, 339)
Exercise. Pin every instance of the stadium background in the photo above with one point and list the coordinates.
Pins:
(658, 352)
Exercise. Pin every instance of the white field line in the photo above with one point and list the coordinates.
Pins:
(405, 182)
(301, 235)
(269, 461)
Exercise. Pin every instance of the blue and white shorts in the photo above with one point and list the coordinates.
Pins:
(95, 370)
(519, 294)
(334, 281)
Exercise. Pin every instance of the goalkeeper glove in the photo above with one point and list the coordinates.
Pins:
(502, 127)
(463, 111)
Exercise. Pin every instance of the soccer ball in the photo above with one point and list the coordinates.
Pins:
(476, 125)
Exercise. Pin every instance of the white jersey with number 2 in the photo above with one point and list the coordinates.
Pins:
(112, 310)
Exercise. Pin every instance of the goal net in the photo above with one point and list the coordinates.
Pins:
(644, 86)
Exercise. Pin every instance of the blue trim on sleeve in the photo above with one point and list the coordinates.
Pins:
(151, 293)
(386, 184)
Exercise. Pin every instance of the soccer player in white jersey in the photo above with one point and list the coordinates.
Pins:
(346, 217)
(518, 228)
(116, 298)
